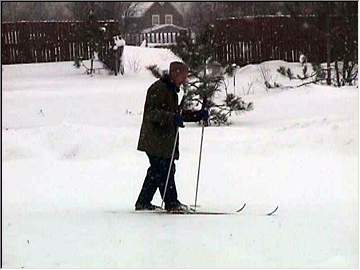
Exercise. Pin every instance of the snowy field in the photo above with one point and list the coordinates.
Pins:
(71, 174)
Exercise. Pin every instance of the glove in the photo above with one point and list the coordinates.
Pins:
(179, 121)
(204, 114)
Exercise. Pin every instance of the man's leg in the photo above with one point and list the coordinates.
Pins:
(171, 198)
(156, 178)
(149, 186)
(171, 193)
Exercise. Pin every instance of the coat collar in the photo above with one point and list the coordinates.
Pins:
(171, 86)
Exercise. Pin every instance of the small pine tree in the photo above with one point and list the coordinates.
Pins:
(320, 73)
(289, 74)
(206, 77)
(282, 70)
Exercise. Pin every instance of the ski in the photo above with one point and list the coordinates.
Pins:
(267, 214)
(199, 206)
(242, 208)
(273, 211)
(192, 211)
(198, 213)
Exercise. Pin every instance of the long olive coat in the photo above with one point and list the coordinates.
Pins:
(158, 129)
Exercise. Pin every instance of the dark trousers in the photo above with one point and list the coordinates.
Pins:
(156, 178)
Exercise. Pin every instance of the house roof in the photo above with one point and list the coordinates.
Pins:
(141, 7)
(170, 28)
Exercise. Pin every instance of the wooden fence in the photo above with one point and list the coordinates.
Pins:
(32, 42)
(253, 40)
(160, 39)
(241, 41)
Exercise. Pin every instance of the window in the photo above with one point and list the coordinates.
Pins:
(155, 19)
(168, 19)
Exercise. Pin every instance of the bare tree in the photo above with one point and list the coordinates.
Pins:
(57, 11)
(16, 11)
(203, 13)
(9, 11)
(35, 11)
(24, 11)
(80, 10)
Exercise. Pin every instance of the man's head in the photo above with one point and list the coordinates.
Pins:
(178, 73)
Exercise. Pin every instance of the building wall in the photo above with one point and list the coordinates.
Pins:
(162, 10)
(136, 24)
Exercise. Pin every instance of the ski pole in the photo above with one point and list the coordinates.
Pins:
(198, 174)
(170, 166)
(173, 151)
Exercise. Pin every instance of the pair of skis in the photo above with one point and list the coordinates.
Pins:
(192, 211)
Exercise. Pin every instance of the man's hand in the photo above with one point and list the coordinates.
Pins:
(179, 121)
(204, 114)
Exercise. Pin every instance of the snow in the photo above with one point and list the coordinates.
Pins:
(302, 58)
(71, 173)
(119, 42)
(169, 28)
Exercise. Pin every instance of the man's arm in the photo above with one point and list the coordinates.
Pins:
(192, 116)
(154, 109)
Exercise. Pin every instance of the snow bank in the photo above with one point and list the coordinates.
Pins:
(136, 59)
(250, 78)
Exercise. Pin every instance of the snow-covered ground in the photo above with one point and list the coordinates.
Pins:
(71, 173)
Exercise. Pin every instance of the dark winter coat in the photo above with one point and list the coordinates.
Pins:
(158, 129)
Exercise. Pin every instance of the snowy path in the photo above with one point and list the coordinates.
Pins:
(96, 238)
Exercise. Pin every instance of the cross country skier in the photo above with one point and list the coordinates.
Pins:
(161, 120)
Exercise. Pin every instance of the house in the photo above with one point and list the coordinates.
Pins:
(147, 15)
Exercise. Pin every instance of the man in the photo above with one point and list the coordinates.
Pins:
(162, 117)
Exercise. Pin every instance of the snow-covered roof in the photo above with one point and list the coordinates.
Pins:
(141, 7)
(163, 28)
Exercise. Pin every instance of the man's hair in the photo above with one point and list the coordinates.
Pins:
(178, 68)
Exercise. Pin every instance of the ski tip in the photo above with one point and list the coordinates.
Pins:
(273, 212)
(242, 207)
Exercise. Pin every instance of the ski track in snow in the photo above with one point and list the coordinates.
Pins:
(71, 174)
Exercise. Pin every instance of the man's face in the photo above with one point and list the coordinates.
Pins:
(180, 78)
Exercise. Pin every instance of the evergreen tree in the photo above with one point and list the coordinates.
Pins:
(206, 77)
